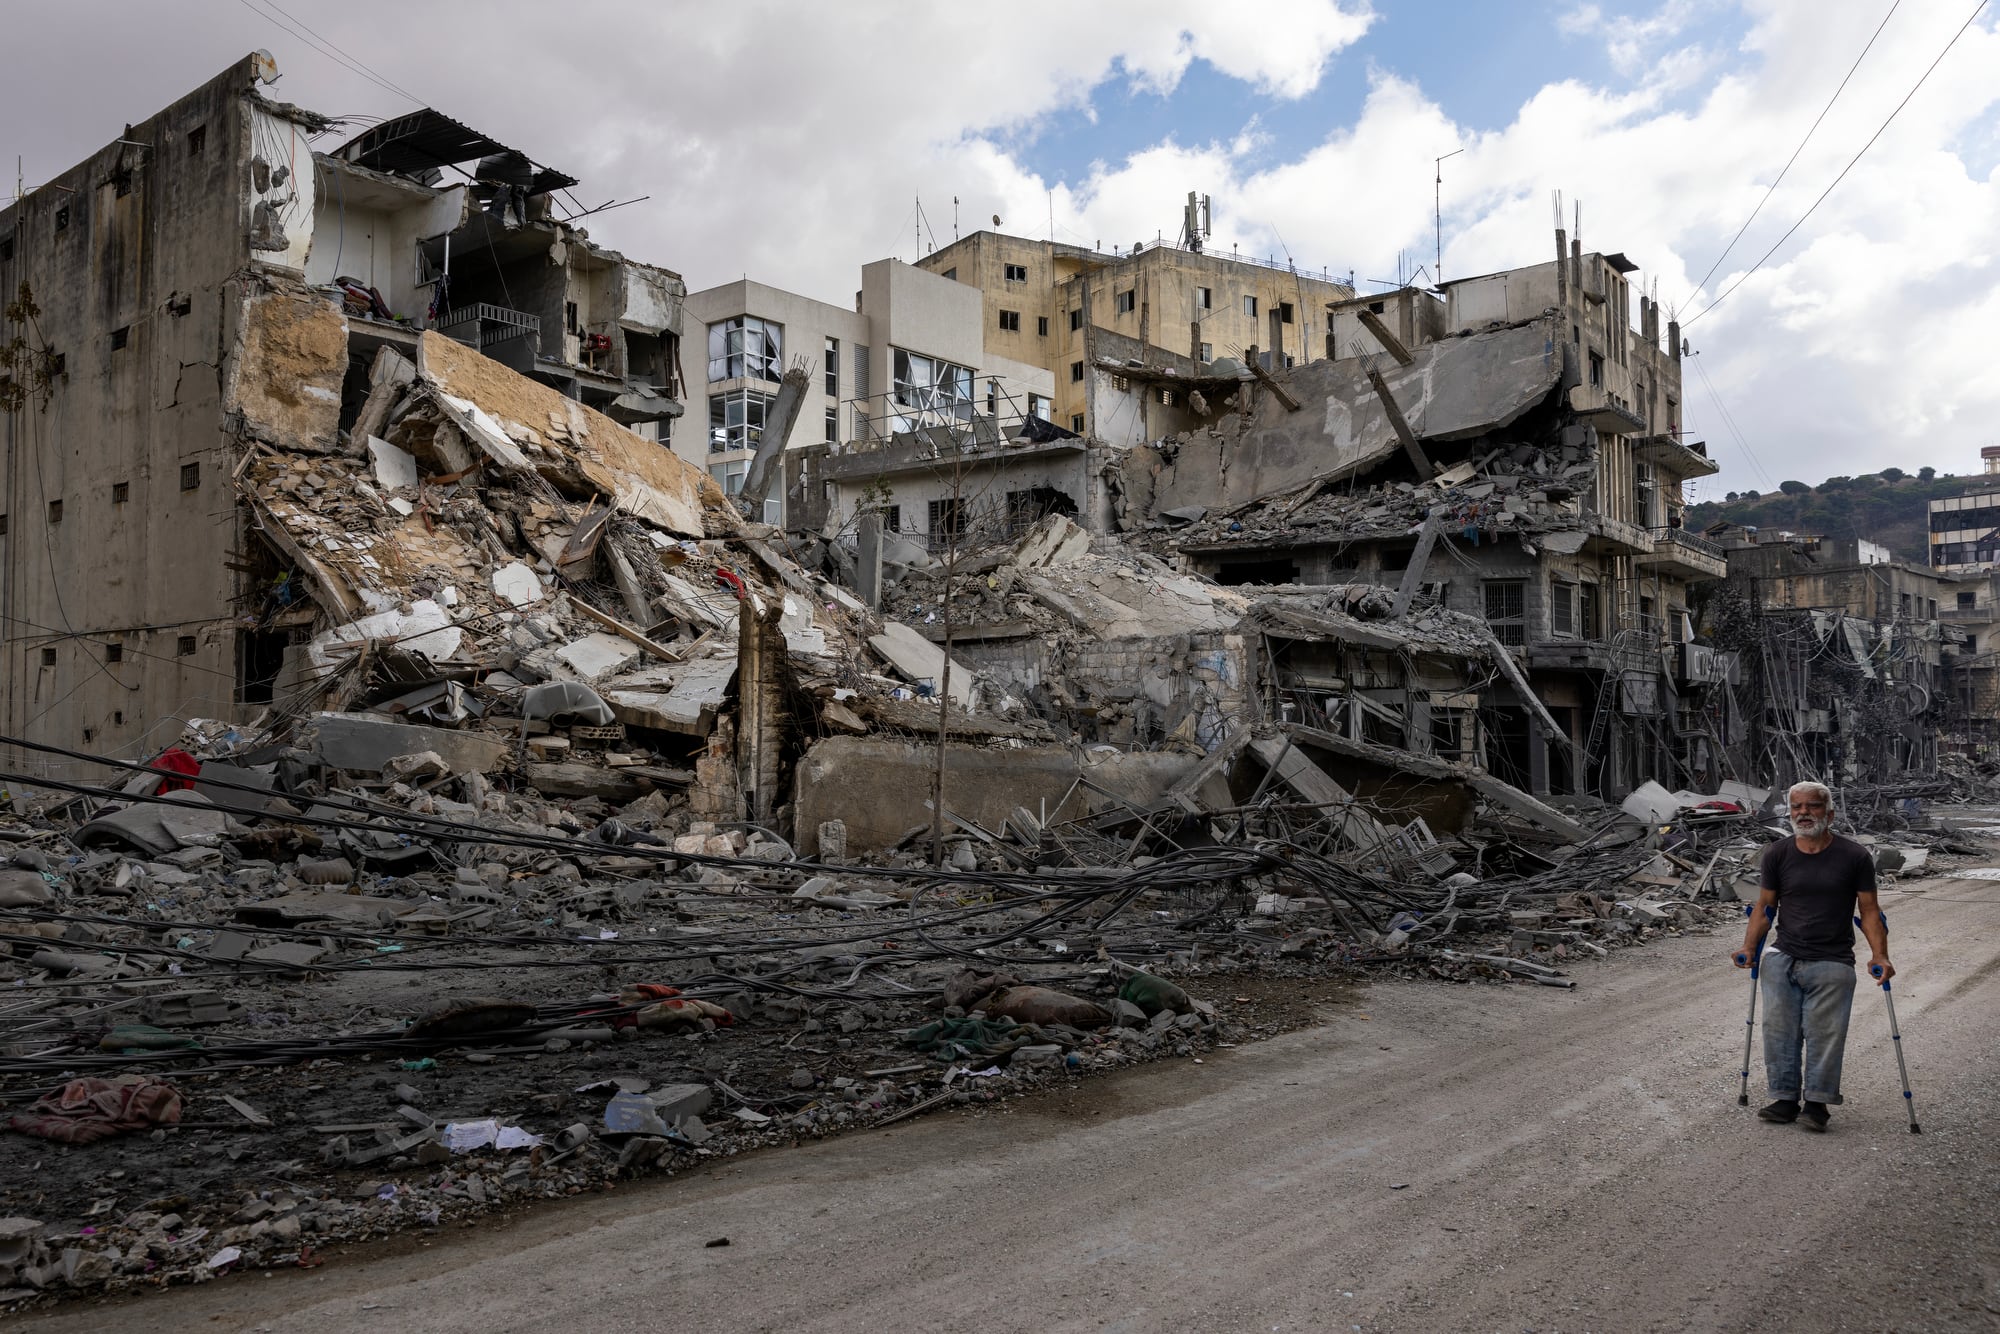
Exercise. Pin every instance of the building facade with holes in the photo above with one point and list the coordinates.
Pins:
(1087, 315)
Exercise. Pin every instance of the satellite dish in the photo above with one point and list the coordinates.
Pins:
(996, 219)
(266, 65)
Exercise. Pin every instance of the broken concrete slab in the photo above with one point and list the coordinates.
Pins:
(597, 656)
(673, 699)
(395, 468)
(364, 743)
(517, 585)
(153, 829)
(917, 660)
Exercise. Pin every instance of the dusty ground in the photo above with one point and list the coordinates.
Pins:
(1429, 1158)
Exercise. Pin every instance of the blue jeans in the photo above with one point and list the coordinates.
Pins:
(1806, 1004)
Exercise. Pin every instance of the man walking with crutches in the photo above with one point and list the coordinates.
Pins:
(1816, 882)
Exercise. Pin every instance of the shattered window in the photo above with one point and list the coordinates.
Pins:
(1017, 273)
(930, 385)
(1507, 610)
(1038, 406)
(1128, 302)
(1250, 306)
(736, 420)
(745, 348)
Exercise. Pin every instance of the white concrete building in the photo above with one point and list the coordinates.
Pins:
(909, 354)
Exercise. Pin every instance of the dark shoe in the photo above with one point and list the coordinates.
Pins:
(1815, 1117)
(1781, 1111)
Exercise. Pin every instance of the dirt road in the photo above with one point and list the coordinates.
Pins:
(1432, 1158)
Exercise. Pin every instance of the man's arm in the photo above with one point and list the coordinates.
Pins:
(1869, 908)
(1756, 924)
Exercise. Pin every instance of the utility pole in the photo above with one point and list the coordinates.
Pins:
(1437, 215)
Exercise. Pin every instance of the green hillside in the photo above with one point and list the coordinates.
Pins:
(1888, 507)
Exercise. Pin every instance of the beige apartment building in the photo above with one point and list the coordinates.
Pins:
(1076, 312)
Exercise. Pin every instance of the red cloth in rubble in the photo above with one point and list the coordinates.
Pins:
(84, 1111)
(174, 760)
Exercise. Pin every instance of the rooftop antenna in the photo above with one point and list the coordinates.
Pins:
(1437, 208)
(1196, 222)
(954, 219)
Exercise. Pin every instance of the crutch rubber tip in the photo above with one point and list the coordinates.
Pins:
(1742, 1100)
(1916, 1129)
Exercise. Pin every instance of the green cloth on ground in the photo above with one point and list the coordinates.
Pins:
(1154, 994)
(972, 1039)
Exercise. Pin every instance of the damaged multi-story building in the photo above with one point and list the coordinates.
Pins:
(210, 285)
(1856, 664)
(1509, 449)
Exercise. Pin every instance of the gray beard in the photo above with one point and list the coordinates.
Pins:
(1808, 828)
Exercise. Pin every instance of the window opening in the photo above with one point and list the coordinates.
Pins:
(1507, 610)
(736, 420)
(1010, 321)
(190, 476)
(1016, 273)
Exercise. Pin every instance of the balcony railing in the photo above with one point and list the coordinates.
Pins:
(1681, 537)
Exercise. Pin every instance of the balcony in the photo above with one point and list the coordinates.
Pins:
(1683, 555)
(1972, 614)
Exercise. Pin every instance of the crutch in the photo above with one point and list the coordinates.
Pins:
(1756, 957)
(1895, 1037)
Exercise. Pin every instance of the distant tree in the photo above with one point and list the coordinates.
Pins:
(1794, 488)
(1892, 474)
(1731, 498)
(1753, 495)
(1836, 483)
(1926, 473)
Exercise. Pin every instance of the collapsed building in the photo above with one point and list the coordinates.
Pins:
(208, 286)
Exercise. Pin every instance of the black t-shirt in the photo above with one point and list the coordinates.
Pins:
(1816, 896)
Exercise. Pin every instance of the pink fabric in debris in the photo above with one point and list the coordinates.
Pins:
(84, 1111)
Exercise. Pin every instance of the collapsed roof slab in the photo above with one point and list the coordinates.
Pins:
(1455, 389)
(559, 436)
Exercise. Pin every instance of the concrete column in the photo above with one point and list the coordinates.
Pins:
(868, 560)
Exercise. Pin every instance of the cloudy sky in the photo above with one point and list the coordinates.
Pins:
(792, 143)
